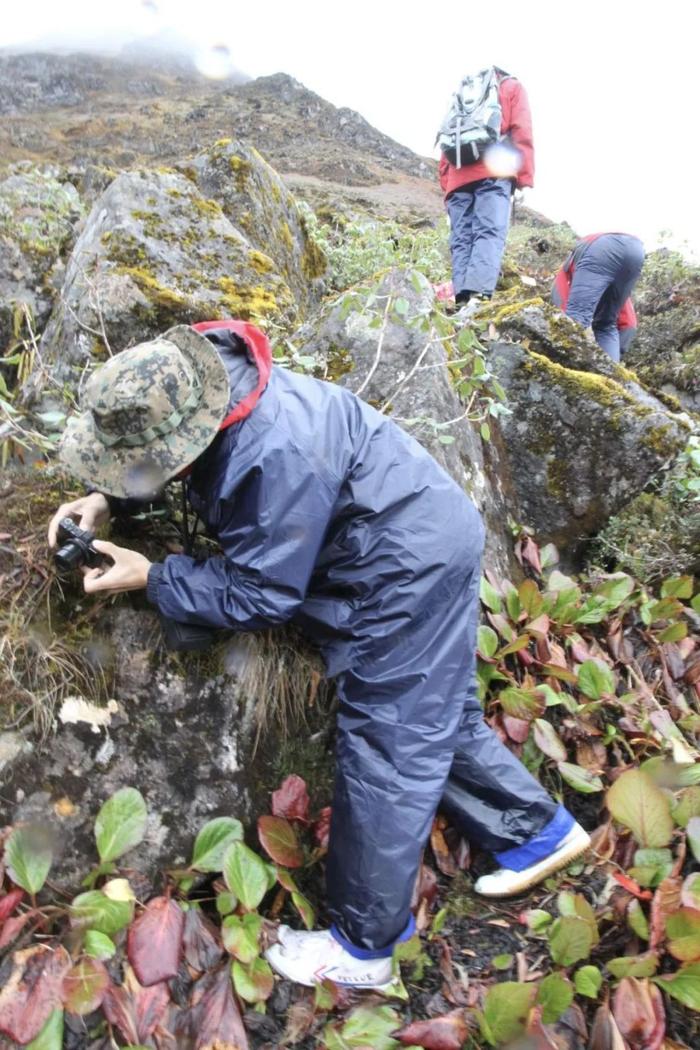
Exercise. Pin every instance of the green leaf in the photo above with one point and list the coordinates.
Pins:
(95, 911)
(548, 740)
(226, 902)
(580, 779)
(634, 965)
(28, 857)
(674, 633)
(683, 985)
(280, 841)
(521, 642)
(616, 588)
(683, 932)
(687, 806)
(595, 679)
(677, 587)
(506, 1006)
(530, 598)
(659, 863)
(693, 834)
(588, 981)
(637, 920)
(538, 920)
(489, 596)
(120, 824)
(555, 995)
(212, 842)
(635, 801)
(98, 945)
(51, 1035)
(241, 936)
(305, 909)
(254, 982)
(366, 1026)
(485, 430)
(502, 962)
(487, 641)
(522, 703)
(401, 305)
(245, 874)
(570, 940)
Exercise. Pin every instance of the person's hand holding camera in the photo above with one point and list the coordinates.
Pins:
(128, 572)
(89, 512)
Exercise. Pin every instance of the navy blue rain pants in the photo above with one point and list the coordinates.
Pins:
(606, 272)
(331, 516)
(479, 216)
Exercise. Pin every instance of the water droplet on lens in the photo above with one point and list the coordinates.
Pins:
(214, 61)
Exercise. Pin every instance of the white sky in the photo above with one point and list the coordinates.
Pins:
(612, 85)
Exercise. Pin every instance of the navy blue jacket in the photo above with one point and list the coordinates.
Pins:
(327, 513)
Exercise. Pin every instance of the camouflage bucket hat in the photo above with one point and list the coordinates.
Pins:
(147, 414)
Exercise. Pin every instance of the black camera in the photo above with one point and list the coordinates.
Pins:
(75, 548)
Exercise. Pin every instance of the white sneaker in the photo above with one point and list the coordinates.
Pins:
(507, 883)
(309, 958)
(467, 310)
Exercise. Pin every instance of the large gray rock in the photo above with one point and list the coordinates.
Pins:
(584, 436)
(38, 215)
(257, 202)
(402, 368)
(154, 252)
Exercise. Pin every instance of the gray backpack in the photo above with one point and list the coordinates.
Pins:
(473, 121)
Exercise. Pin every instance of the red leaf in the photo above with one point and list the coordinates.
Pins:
(32, 991)
(203, 949)
(322, 827)
(13, 926)
(448, 1032)
(639, 1011)
(631, 886)
(279, 839)
(154, 943)
(291, 800)
(667, 900)
(517, 728)
(134, 1010)
(214, 1018)
(605, 1035)
(84, 986)
(8, 903)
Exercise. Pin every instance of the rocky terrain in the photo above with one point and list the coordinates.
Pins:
(136, 197)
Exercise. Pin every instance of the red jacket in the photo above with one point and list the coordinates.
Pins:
(517, 125)
(627, 318)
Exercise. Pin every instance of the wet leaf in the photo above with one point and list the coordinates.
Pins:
(84, 986)
(134, 1010)
(120, 824)
(291, 800)
(212, 842)
(582, 780)
(555, 995)
(548, 740)
(154, 942)
(595, 679)
(98, 945)
(305, 909)
(365, 1026)
(200, 940)
(634, 965)
(683, 932)
(279, 839)
(97, 912)
(506, 1007)
(28, 857)
(522, 703)
(447, 1032)
(241, 936)
(253, 981)
(487, 641)
(32, 991)
(639, 1012)
(588, 981)
(637, 920)
(635, 801)
(245, 874)
(51, 1035)
(683, 985)
(489, 596)
(570, 940)
(677, 587)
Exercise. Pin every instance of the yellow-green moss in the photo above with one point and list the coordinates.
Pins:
(597, 388)
(154, 291)
(338, 363)
(222, 143)
(661, 440)
(313, 260)
(208, 207)
(261, 262)
(497, 312)
(285, 235)
(241, 169)
(246, 301)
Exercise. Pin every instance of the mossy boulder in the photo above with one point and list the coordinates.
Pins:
(584, 437)
(402, 368)
(154, 252)
(666, 351)
(38, 216)
(256, 201)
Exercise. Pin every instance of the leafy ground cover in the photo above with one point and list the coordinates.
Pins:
(595, 682)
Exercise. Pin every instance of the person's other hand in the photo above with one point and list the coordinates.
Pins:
(89, 512)
(129, 571)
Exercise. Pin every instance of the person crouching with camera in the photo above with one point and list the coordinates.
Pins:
(331, 516)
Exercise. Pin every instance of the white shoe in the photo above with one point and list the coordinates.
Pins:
(467, 310)
(507, 883)
(309, 958)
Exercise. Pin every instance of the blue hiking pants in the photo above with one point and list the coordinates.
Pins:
(408, 720)
(606, 272)
(479, 217)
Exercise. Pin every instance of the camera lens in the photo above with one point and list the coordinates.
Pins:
(69, 557)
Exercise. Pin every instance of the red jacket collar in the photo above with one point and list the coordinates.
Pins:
(259, 347)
